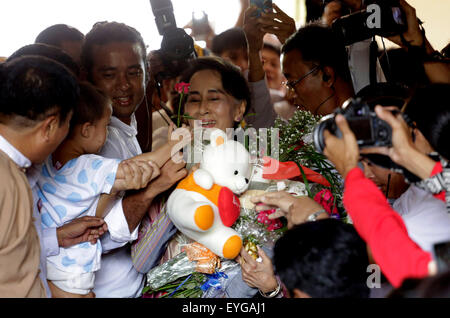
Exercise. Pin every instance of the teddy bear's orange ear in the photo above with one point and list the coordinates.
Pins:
(218, 138)
(219, 141)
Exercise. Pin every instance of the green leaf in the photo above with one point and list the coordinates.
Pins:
(306, 182)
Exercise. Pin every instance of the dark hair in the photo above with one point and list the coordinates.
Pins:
(324, 259)
(230, 39)
(272, 48)
(91, 105)
(103, 33)
(33, 86)
(319, 45)
(446, 51)
(58, 33)
(437, 286)
(400, 66)
(233, 82)
(49, 51)
(384, 94)
(429, 108)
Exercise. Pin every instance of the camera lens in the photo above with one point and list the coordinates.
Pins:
(325, 123)
(382, 134)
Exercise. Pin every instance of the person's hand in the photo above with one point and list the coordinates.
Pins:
(84, 229)
(252, 30)
(194, 168)
(402, 143)
(403, 152)
(342, 152)
(255, 274)
(295, 209)
(206, 29)
(277, 23)
(178, 138)
(245, 3)
(413, 35)
(171, 173)
(134, 174)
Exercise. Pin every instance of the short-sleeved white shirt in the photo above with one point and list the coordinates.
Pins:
(117, 277)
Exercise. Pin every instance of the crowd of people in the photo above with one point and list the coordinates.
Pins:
(87, 140)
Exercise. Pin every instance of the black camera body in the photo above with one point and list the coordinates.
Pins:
(381, 17)
(176, 43)
(369, 130)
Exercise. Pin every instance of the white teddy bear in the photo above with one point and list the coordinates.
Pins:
(204, 205)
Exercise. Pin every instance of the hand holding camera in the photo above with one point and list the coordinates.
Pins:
(253, 31)
(343, 136)
(380, 17)
(176, 43)
(278, 23)
(403, 152)
(413, 35)
(369, 130)
(342, 152)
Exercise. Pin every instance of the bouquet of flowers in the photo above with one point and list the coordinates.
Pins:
(183, 277)
(296, 145)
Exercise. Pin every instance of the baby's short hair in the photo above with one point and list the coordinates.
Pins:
(91, 105)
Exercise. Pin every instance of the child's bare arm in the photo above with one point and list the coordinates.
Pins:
(104, 205)
(177, 139)
(131, 174)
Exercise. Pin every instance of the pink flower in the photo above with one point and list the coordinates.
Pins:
(326, 199)
(155, 295)
(182, 87)
(272, 225)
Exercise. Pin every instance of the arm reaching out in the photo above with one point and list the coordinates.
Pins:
(177, 139)
(131, 175)
(381, 227)
(403, 151)
(295, 209)
(277, 23)
(134, 174)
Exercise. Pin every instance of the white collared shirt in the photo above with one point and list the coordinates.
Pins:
(425, 217)
(121, 142)
(117, 276)
(359, 65)
(47, 237)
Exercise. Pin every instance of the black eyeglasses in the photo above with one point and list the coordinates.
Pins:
(291, 85)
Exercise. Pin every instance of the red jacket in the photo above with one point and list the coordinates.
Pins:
(383, 230)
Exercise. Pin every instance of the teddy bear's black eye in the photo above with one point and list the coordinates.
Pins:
(236, 172)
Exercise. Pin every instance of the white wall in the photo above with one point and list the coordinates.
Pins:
(436, 17)
(22, 20)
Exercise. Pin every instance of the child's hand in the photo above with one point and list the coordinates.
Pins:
(179, 137)
(134, 175)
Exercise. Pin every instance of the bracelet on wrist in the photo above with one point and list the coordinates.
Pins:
(273, 293)
(313, 217)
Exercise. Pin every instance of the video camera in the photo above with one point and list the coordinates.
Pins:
(381, 17)
(176, 45)
(369, 130)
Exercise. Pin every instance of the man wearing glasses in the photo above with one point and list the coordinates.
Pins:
(315, 65)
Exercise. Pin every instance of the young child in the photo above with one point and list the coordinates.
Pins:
(73, 179)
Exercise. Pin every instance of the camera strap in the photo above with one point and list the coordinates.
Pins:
(373, 58)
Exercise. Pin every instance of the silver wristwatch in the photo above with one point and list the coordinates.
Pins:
(313, 217)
